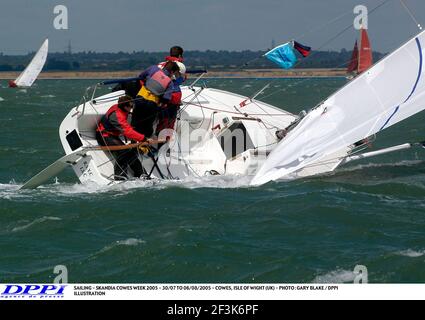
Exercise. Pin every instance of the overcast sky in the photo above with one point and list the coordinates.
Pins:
(155, 25)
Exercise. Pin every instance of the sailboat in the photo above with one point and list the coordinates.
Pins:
(31, 72)
(361, 59)
(273, 143)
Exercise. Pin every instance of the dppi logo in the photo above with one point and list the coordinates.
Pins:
(33, 291)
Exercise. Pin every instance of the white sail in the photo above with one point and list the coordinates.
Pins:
(389, 92)
(31, 72)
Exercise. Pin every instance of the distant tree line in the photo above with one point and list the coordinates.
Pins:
(211, 60)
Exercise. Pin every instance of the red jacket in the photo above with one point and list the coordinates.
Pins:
(170, 58)
(115, 123)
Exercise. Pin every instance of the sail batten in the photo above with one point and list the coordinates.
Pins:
(387, 93)
(31, 72)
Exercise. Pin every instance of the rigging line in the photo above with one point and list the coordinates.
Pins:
(238, 111)
(342, 32)
(168, 164)
(341, 158)
(186, 163)
(267, 114)
(410, 13)
(316, 29)
(195, 95)
(252, 99)
(311, 30)
(265, 145)
(203, 117)
(332, 39)
(255, 59)
(298, 82)
(318, 163)
(250, 114)
(185, 104)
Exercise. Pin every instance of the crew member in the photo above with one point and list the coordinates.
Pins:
(157, 88)
(113, 125)
(176, 55)
(168, 112)
(133, 87)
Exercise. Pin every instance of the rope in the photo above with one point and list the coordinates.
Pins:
(238, 113)
(316, 29)
(411, 14)
(325, 44)
(311, 30)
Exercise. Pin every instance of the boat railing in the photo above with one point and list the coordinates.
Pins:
(90, 97)
(84, 99)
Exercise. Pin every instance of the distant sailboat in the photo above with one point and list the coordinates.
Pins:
(31, 72)
(361, 59)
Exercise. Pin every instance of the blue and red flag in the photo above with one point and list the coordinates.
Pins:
(304, 50)
(283, 55)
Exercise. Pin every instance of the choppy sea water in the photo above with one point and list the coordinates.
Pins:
(216, 229)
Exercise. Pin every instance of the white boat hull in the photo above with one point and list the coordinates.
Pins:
(203, 143)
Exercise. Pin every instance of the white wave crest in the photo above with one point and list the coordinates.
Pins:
(411, 253)
(1, 99)
(404, 163)
(219, 182)
(126, 242)
(36, 221)
(130, 242)
(11, 191)
(336, 276)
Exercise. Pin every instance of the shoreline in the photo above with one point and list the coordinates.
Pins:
(236, 74)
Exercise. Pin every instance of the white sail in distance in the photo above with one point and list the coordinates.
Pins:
(387, 93)
(31, 72)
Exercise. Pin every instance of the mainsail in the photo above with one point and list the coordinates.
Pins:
(361, 60)
(389, 92)
(31, 72)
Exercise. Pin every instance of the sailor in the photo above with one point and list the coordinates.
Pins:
(157, 89)
(176, 54)
(133, 87)
(168, 112)
(113, 125)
